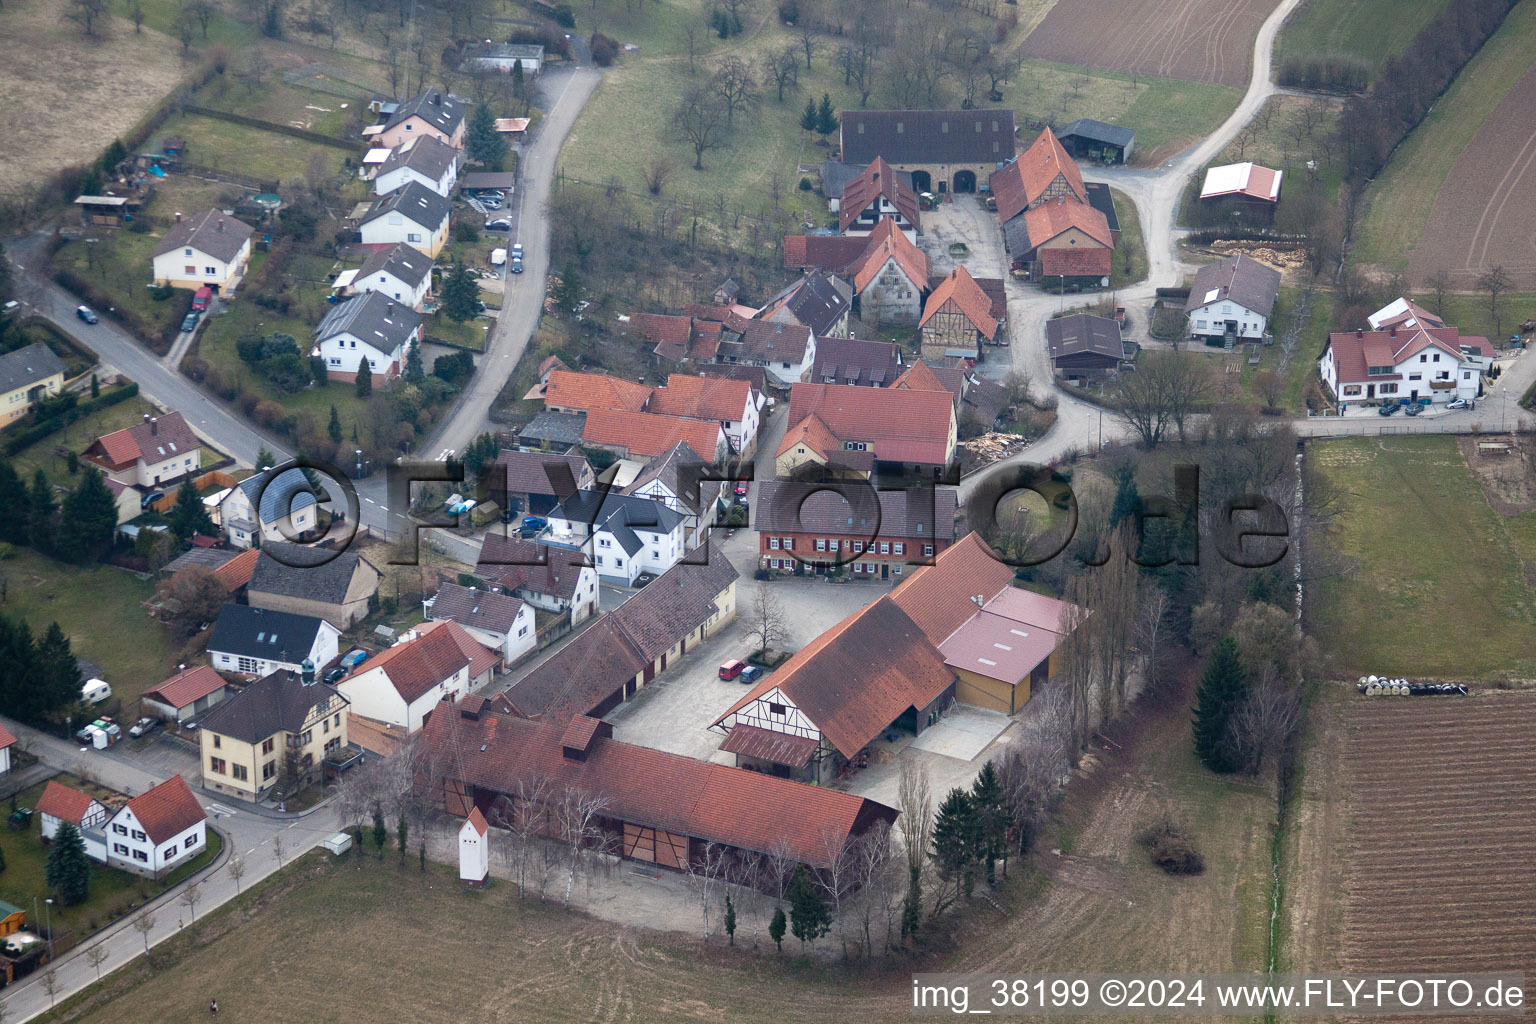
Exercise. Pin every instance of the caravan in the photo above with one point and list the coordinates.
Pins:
(95, 691)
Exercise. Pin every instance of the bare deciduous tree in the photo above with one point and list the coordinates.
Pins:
(86, 13)
(701, 119)
(143, 923)
(1495, 282)
(736, 85)
(657, 173)
(578, 813)
(236, 868)
(1165, 390)
(705, 874)
(781, 69)
(766, 625)
(1264, 723)
(691, 34)
(189, 898)
(96, 956)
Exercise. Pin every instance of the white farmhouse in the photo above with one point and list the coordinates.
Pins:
(1232, 300)
(413, 214)
(623, 535)
(1422, 364)
(211, 249)
(405, 682)
(259, 641)
(146, 455)
(157, 829)
(372, 328)
(424, 159)
(400, 272)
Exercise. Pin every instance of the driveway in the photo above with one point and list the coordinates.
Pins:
(963, 219)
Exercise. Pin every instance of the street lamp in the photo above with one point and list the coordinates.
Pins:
(48, 912)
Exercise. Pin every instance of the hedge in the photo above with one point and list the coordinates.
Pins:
(273, 126)
(28, 436)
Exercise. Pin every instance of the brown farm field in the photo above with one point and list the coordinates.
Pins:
(1482, 216)
(1413, 836)
(1196, 40)
(67, 97)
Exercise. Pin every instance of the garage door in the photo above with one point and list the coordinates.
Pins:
(655, 846)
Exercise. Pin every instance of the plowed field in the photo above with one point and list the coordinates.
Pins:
(1482, 215)
(1439, 850)
(1196, 40)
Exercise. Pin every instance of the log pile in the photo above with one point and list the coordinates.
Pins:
(994, 446)
(1282, 259)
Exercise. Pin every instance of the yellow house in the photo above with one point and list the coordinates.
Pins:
(272, 736)
(809, 445)
(26, 375)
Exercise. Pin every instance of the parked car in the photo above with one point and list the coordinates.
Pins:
(499, 224)
(201, 298)
(1458, 403)
(1387, 409)
(84, 313)
(149, 499)
(731, 669)
(355, 657)
(189, 322)
(517, 249)
(517, 264)
(534, 523)
(143, 727)
(491, 204)
(1413, 408)
(741, 488)
(335, 676)
(751, 674)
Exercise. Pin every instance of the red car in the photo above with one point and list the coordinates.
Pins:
(741, 488)
(731, 669)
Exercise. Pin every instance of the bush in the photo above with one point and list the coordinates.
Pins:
(789, 11)
(467, 232)
(805, 184)
(1171, 850)
(604, 50)
(564, 16)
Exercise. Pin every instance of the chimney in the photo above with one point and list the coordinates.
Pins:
(154, 426)
(178, 216)
(307, 672)
(1359, 334)
(146, 418)
(1393, 332)
(389, 309)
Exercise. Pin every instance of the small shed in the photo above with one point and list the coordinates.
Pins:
(474, 850)
(1087, 139)
(12, 918)
(338, 844)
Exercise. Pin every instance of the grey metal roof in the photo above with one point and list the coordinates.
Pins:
(1084, 333)
(480, 609)
(441, 110)
(263, 633)
(916, 514)
(928, 136)
(27, 366)
(207, 558)
(488, 179)
(372, 317)
(413, 200)
(1098, 131)
(288, 493)
(669, 470)
(308, 576)
(556, 427)
(280, 702)
(400, 261)
(1240, 279)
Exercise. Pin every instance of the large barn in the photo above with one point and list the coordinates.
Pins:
(944, 150)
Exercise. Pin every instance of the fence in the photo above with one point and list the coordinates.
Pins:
(272, 126)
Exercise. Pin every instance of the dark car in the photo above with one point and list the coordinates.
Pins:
(188, 322)
(499, 224)
(1413, 409)
(149, 499)
(517, 264)
(1387, 409)
(750, 674)
(335, 676)
(84, 313)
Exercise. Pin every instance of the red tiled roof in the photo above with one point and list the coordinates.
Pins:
(968, 298)
(1026, 179)
(1248, 179)
(885, 243)
(858, 677)
(778, 747)
(416, 666)
(1048, 220)
(823, 252)
(568, 390)
(186, 687)
(1355, 352)
(167, 810)
(938, 597)
(580, 733)
(6, 739)
(1076, 262)
(813, 434)
(904, 426)
(706, 341)
(669, 333)
(656, 789)
(708, 398)
(477, 820)
(166, 438)
(65, 803)
(876, 180)
(649, 435)
(480, 656)
(236, 572)
(919, 377)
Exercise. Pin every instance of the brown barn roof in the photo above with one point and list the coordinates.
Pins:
(858, 677)
(187, 686)
(580, 676)
(904, 426)
(567, 389)
(1048, 220)
(778, 747)
(530, 472)
(823, 252)
(518, 564)
(1075, 262)
(648, 435)
(480, 656)
(237, 572)
(701, 398)
(414, 667)
(938, 597)
(741, 809)
(482, 609)
(927, 136)
(919, 515)
(167, 810)
(1026, 179)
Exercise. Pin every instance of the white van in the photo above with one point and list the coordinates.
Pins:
(95, 691)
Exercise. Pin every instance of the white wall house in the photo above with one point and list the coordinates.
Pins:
(60, 803)
(426, 160)
(498, 621)
(627, 536)
(413, 214)
(259, 641)
(400, 272)
(157, 829)
(159, 450)
(371, 327)
(288, 510)
(1232, 299)
(503, 56)
(1436, 365)
(211, 249)
(407, 681)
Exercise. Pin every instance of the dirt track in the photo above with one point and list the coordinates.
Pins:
(1482, 216)
(1196, 40)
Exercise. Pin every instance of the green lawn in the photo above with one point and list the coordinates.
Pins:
(102, 611)
(120, 263)
(1279, 139)
(1397, 203)
(1371, 30)
(1130, 263)
(1470, 314)
(252, 152)
(113, 892)
(276, 101)
(1438, 587)
(1243, 385)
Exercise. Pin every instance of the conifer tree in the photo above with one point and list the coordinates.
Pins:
(68, 870)
(1222, 690)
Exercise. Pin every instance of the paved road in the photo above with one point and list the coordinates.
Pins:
(250, 833)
